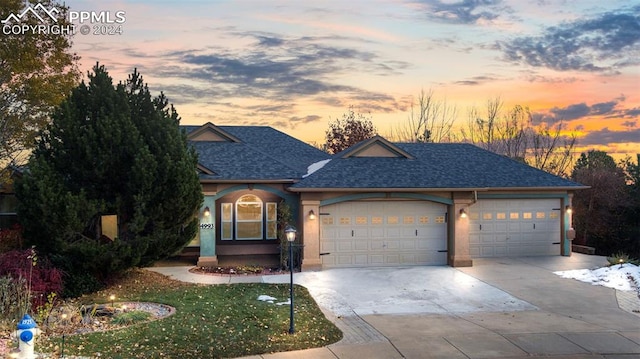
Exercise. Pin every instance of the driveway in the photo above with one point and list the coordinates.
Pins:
(402, 290)
(499, 308)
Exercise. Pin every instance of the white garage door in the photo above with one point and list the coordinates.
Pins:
(383, 233)
(503, 228)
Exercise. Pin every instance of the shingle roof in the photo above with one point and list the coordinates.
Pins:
(436, 165)
(263, 153)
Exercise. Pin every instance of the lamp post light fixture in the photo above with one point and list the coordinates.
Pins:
(290, 233)
(112, 297)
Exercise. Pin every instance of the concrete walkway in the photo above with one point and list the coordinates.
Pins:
(560, 318)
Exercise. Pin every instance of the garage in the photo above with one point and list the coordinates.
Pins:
(514, 227)
(383, 233)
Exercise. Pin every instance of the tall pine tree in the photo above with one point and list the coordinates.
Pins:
(110, 150)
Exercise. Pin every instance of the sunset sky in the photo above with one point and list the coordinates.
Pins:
(296, 65)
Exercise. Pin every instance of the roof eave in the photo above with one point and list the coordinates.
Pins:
(414, 189)
(284, 180)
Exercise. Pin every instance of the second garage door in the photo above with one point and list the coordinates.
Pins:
(383, 233)
(503, 228)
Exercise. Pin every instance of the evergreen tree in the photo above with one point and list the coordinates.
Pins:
(110, 150)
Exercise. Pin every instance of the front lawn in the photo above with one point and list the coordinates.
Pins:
(219, 321)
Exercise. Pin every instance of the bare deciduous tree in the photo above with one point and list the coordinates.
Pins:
(431, 121)
(512, 133)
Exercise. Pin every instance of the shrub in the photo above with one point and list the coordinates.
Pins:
(621, 258)
(79, 284)
(41, 278)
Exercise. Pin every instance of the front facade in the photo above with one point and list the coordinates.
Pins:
(374, 204)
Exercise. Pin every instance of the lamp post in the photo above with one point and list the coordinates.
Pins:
(290, 233)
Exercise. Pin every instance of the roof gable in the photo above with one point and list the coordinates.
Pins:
(375, 147)
(211, 132)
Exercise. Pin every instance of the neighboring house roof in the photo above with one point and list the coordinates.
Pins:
(379, 164)
(252, 153)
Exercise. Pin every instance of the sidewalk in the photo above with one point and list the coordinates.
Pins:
(570, 319)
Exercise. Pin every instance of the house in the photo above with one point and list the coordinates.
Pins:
(375, 204)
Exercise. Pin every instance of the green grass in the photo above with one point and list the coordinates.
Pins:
(221, 321)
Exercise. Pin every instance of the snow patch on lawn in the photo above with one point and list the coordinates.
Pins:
(270, 299)
(315, 166)
(620, 276)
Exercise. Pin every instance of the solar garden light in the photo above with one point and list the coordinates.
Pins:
(290, 233)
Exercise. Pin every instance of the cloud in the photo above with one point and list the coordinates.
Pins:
(632, 112)
(630, 124)
(571, 112)
(605, 43)
(476, 80)
(581, 110)
(279, 69)
(607, 136)
(462, 12)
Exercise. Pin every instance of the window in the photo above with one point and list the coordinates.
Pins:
(227, 221)
(272, 220)
(8, 216)
(246, 217)
(424, 219)
(249, 217)
(376, 220)
(514, 215)
(361, 220)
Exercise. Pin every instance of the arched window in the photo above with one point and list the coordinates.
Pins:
(249, 217)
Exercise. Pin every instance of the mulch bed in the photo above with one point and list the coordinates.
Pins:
(238, 270)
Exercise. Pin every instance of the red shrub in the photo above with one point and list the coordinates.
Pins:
(44, 279)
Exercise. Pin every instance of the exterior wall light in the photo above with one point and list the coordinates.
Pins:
(207, 212)
(463, 213)
(312, 215)
(568, 209)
